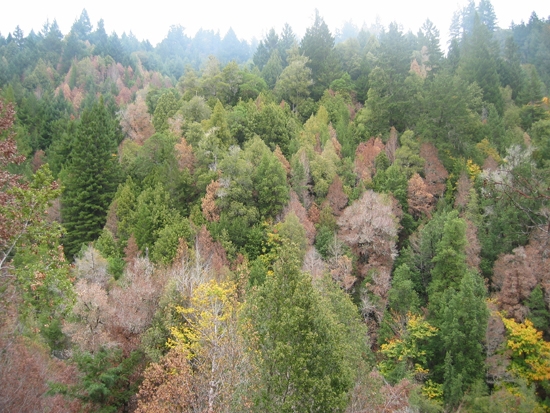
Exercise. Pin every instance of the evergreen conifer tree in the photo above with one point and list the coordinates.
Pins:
(91, 178)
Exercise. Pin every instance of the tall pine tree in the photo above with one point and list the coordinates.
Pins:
(91, 179)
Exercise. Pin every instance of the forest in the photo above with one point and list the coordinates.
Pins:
(347, 222)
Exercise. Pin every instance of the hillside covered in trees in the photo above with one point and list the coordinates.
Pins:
(352, 222)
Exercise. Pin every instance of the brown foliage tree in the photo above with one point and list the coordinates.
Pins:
(314, 214)
(192, 267)
(136, 121)
(185, 155)
(421, 202)
(369, 226)
(473, 246)
(211, 251)
(313, 263)
(392, 145)
(514, 278)
(515, 275)
(167, 385)
(365, 155)
(372, 393)
(336, 197)
(132, 304)
(117, 314)
(463, 187)
(434, 171)
(281, 157)
(497, 362)
(294, 205)
(25, 370)
(8, 156)
(210, 210)
(490, 164)
(334, 140)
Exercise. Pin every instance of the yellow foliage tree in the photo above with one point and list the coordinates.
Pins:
(408, 348)
(209, 334)
(530, 353)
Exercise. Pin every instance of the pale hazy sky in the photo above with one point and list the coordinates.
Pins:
(152, 19)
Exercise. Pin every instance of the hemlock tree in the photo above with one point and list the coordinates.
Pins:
(90, 179)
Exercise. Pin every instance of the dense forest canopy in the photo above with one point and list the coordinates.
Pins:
(350, 222)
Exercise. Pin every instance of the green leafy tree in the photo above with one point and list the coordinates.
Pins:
(152, 213)
(91, 179)
(269, 180)
(538, 314)
(43, 276)
(299, 348)
(108, 379)
(478, 64)
(373, 119)
(294, 81)
(166, 107)
(450, 259)
(451, 115)
(218, 125)
(428, 36)
(273, 69)
(462, 335)
(318, 46)
(266, 48)
(407, 156)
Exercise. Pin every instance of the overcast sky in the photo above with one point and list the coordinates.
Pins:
(152, 19)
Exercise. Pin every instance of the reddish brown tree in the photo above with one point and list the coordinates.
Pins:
(185, 155)
(38, 160)
(490, 164)
(281, 157)
(167, 385)
(210, 210)
(369, 226)
(334, 140)
(131, 252)
(133, 303)
(136, 121)
(420, 201)
(295, 206)
(434, 171)
(25, 370)
(463, 186)
(336, 197)
(514, 278)
(392, 145)
(124, 96)
(313, 263)
(9, 228)
(473, 246)
(210, 251)
(365, 155)
(314, 214)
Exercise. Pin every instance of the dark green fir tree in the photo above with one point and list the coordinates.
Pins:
(91, 178)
